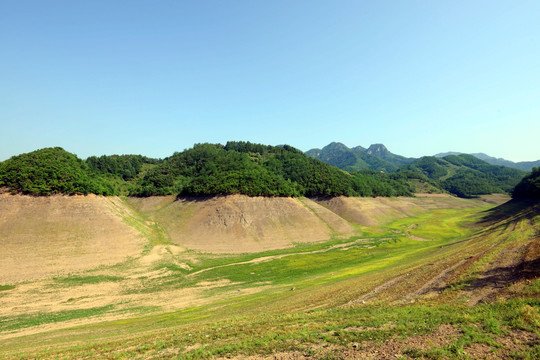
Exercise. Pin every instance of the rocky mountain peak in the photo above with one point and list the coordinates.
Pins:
(377, 149)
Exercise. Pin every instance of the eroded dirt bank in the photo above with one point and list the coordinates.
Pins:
(238, 223)
(43, 236)
(380, 210)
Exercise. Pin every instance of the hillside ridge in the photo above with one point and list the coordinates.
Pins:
(521, 165)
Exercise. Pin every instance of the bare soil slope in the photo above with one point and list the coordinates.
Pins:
(238, 223)
(380, 210)
(41, 236)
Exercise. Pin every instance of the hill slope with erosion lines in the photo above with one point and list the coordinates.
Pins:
(238, 223)
(380, 211)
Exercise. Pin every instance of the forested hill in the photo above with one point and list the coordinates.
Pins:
(465, 175)
(376, 157)
(258, 170)
(205, 169)
(529, 186)
(521, 165)
(459, 174)
(50, 171)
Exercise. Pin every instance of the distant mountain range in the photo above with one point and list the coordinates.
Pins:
(522, 165)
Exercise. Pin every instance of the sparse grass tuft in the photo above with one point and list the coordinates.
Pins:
(529, 316)
(8, 323)
(75, 280)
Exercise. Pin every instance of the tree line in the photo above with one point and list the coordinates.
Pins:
(246, 168)
(204, 170)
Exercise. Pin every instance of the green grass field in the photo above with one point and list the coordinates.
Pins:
(402, 290)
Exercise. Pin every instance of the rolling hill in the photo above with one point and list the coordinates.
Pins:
(459, 174)
(254, 170)
(465, 175)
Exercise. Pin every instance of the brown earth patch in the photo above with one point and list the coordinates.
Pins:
(510, 343)
(333, 221)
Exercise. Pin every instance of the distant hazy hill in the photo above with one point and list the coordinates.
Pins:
(440, 155)
(522, 165)
(466, 175)
(377, 157)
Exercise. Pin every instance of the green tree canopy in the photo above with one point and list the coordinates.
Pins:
(529, 186)
(50, 171)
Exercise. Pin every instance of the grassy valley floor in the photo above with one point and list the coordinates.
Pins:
(419, 280)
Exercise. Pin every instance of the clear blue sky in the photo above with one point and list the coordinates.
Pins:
(155, 77)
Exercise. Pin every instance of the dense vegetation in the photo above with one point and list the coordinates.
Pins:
(465, 175)
(51, 171)
(529, 186)
(376, 157)
(125, 166)
(258, 170)
(204, 170)
(251, 169)
(459, 174)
